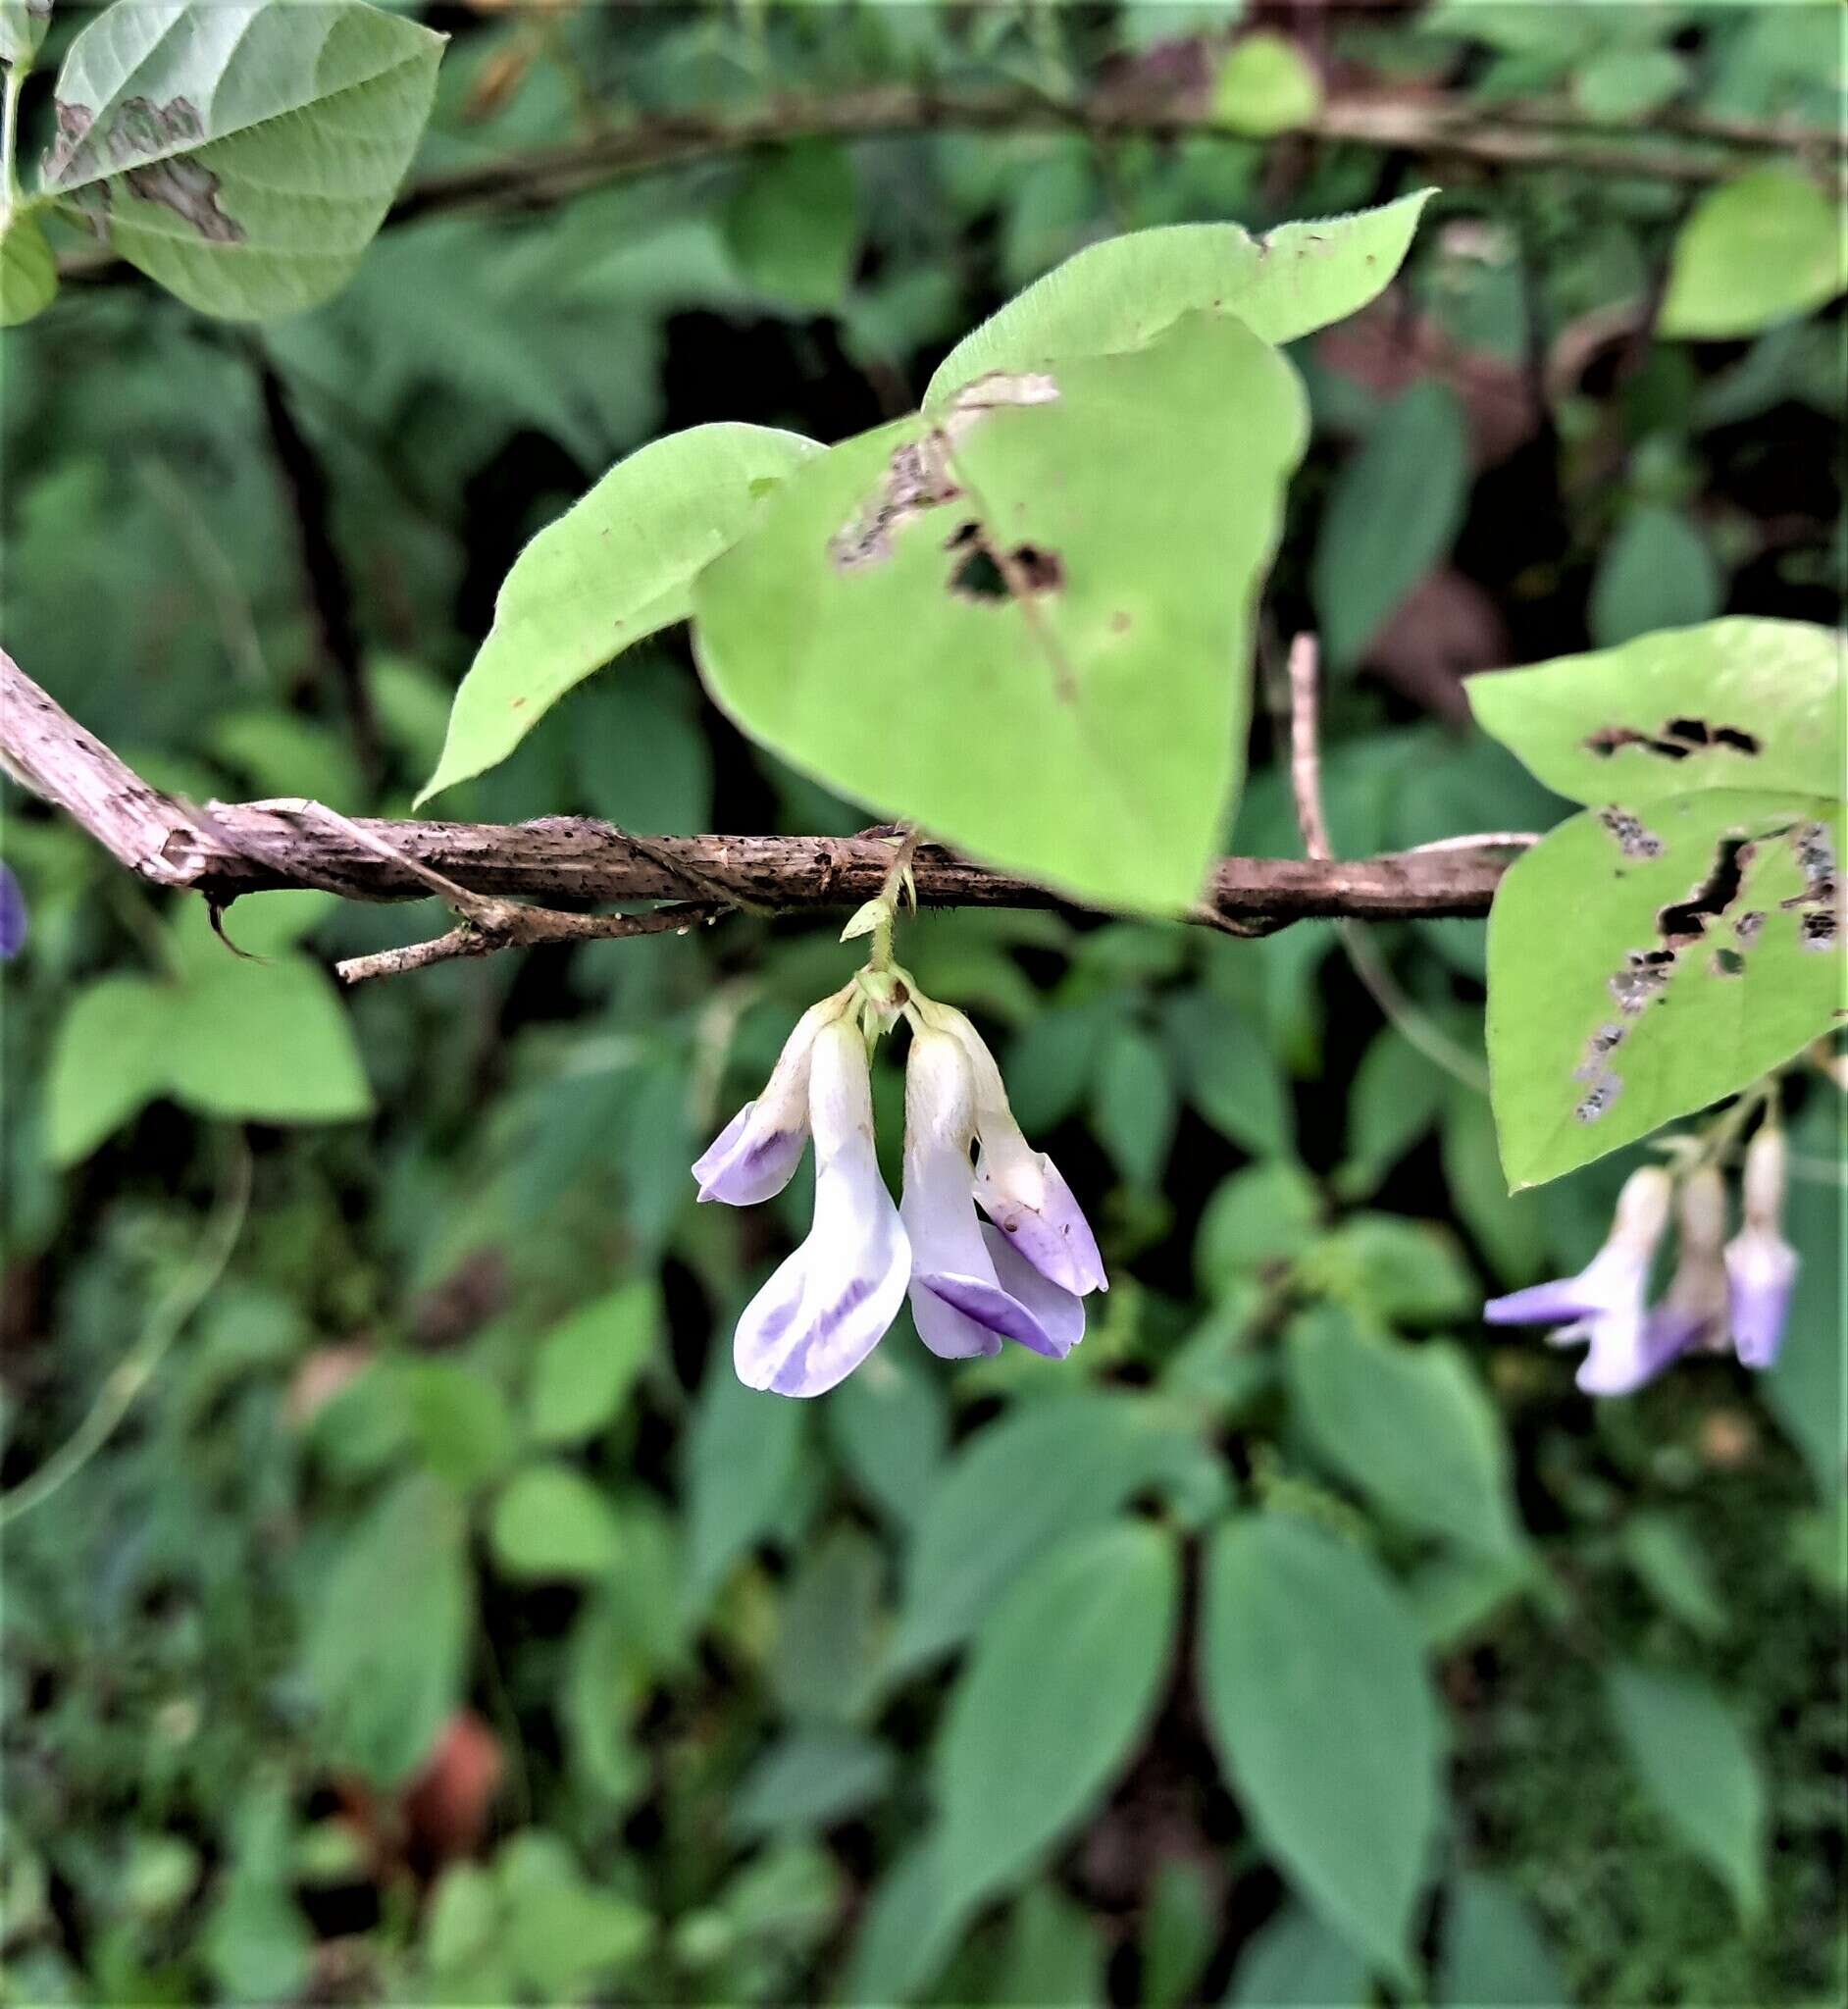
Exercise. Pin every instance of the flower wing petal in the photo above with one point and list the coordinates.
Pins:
(1059, 1313)
(1050, 1231)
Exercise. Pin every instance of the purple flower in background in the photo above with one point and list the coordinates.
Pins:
(1761, 1266)
(829, 1303)
(11, 917)
(970, 1289)
(1021, 1189)
(1604, 1303)
(755, 1155)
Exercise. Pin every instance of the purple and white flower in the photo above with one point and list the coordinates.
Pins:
(830, 1303)
(1604, 1303)
(1761, 1266)
(972, 1285)
(970, 1289)
(755, 1156)
(1021, 1189)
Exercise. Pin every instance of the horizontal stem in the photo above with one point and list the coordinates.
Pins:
(224, 850)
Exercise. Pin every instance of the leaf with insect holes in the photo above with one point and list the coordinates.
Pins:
(1729, 705)
(1644, 963)
(242, 153)
(1123, 292)
(1026, 623)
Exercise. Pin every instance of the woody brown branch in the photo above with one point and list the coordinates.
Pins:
(223, 851)
(1682, 148)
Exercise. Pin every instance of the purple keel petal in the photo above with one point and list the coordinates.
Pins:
(1058, 1313)
(980, 1303)
(750, 1160)
(1048, 1227)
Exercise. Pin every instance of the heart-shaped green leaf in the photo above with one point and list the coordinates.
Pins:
(1025, 622)
(1643, 963)
(240, 152)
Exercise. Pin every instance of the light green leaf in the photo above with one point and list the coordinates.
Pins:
(617, 566)
(1655, 572)
(1109, 681)
(1294, 1962)
(560, 1930)
(1317, 1699)
(740, 1462)
(1066, 1463)
(1699, 1769)
(909, 1928)
(240, 152)
(29, 273)
(1053, 1952)
(109, 1058)
(23, 25)
(1674, 1565)
(1407, 1272)
(1740, 703)
(1063, 1675)
(552, 1521)
(1492, 1955)
(387, 1638)
(1626, 84)
(1133, 1107)
(826, 1656)
(809, 1778)
(1121, 293)
(1410, 1425)
(1510, 1228)
(1180, 1925)
(1753, 252)
(585, 1365)
(794, 226)
(1395, 1099)
(1392, 516)
(265, 1040)
(888, 1424)
(1264, 1215)
(1701, 954)
(1228, 1073)
(458, 1419)
(1265, 86)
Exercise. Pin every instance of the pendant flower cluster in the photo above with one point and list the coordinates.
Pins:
(1722, 1293)
(1022, 1275)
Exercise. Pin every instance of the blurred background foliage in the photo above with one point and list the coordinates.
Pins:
(444, 1623)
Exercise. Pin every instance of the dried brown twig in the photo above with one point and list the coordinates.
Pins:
(485, 871)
